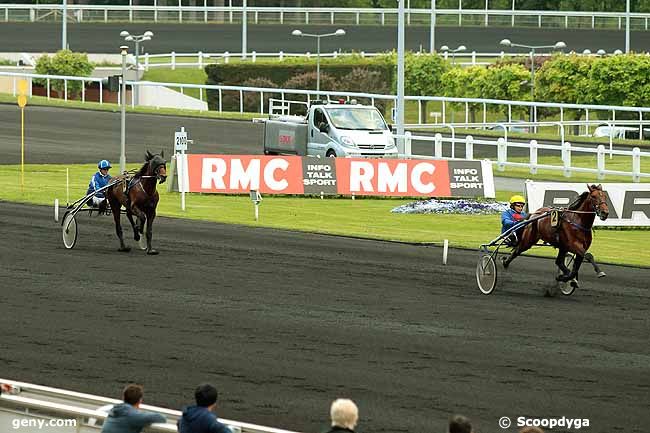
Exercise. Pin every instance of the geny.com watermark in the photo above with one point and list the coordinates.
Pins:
(18, 423)
(547, 423)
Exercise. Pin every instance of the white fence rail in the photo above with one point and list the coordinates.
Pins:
(200, 59)
(565, 151)
(504, 106)
(176, 11)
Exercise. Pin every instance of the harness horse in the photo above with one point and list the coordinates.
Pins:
(139, 197)
(136, 192)
(569, 230)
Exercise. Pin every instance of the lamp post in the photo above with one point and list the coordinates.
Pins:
(558, 46)
(124, 51)
(445, 49)
(339, 32)
(137, 39)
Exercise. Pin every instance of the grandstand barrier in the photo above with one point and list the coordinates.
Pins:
(35, 408)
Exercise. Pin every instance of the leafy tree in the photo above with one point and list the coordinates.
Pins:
(509, 82)
(565, 79)
(423, 75)
(65, 62)
(620, 80)
(465, 83)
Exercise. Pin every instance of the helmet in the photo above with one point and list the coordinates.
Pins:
(517, 199)
(104, 164)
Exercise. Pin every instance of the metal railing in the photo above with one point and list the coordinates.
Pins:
(565, 151)
(36, 401)
(294, 15)
(504, 106)
(200, 59)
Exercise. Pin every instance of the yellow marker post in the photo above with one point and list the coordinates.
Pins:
(22, 101)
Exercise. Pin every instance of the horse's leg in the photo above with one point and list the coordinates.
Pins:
(115, 208)
(136, 233)
(150, 217)
(559, 262)
(590, 258)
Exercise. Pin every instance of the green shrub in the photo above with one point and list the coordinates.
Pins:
(64, 62)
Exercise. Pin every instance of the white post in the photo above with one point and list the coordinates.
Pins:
(200, 60)
(601, 162)
(445, 250)
(566, 158)
(533, 156)
(627, 27)
(407, 144)
(244, 22)
(257, 210)
(56, 209)
(437, 146)
(173, 60)
(67, 185)
(183, 179)
(64, 24)
(636, 164)
(399, 118)
(502, 154)
(469, 147)
(432, 37)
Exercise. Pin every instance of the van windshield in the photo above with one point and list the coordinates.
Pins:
(357, 118)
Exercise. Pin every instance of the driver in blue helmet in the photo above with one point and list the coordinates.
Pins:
(97, 182)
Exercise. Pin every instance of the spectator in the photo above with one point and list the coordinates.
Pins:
(531, 430)
(200, 418)
(344, 414)
(126, 418)
(5, 387)
(460, 424)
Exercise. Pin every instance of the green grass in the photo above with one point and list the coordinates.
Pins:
(367, 218)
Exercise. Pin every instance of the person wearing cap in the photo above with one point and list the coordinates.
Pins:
(200, 418)
(97, 182)
(512, 216)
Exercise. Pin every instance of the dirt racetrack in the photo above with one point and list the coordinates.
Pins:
(284, 322)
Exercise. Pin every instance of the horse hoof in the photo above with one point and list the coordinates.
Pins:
(504, 262)
(124, 250)
(574, 283)
(601, 274)
(152, 252)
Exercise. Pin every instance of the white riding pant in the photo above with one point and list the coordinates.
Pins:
(98, 200)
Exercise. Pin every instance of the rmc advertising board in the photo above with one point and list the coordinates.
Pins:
(237, 174)
(628, 203)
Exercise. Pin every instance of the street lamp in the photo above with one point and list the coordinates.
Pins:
(123, 51)
(137, 39)
(460, 48)
(339, 32)
(558, 46)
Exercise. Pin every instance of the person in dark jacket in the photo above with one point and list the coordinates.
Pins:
(126, 418)
(344, 415)
(200, 418)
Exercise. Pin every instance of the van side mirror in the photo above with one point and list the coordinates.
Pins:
(323, 127)
(390, 127)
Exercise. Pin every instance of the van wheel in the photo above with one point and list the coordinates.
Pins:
(330, 154)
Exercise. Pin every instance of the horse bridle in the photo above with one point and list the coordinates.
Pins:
(597, 205)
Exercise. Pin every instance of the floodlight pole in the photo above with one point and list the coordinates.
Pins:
(399, 114)
(64, 26)
(124, 50)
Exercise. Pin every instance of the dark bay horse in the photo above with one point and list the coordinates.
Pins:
(571, 234)
(139, 197)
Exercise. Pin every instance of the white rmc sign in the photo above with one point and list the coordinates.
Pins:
(628, 203)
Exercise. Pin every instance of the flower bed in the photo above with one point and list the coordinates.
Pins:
(462, 206)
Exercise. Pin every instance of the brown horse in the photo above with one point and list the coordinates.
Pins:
(139, 197)
(572, 232)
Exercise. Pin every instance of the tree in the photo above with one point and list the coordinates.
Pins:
(465, 83)
(65, 62)
(508, 82)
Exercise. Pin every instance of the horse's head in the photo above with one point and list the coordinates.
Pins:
(598, 199)
(157, 165)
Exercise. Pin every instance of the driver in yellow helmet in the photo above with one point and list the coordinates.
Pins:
(514, 215)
